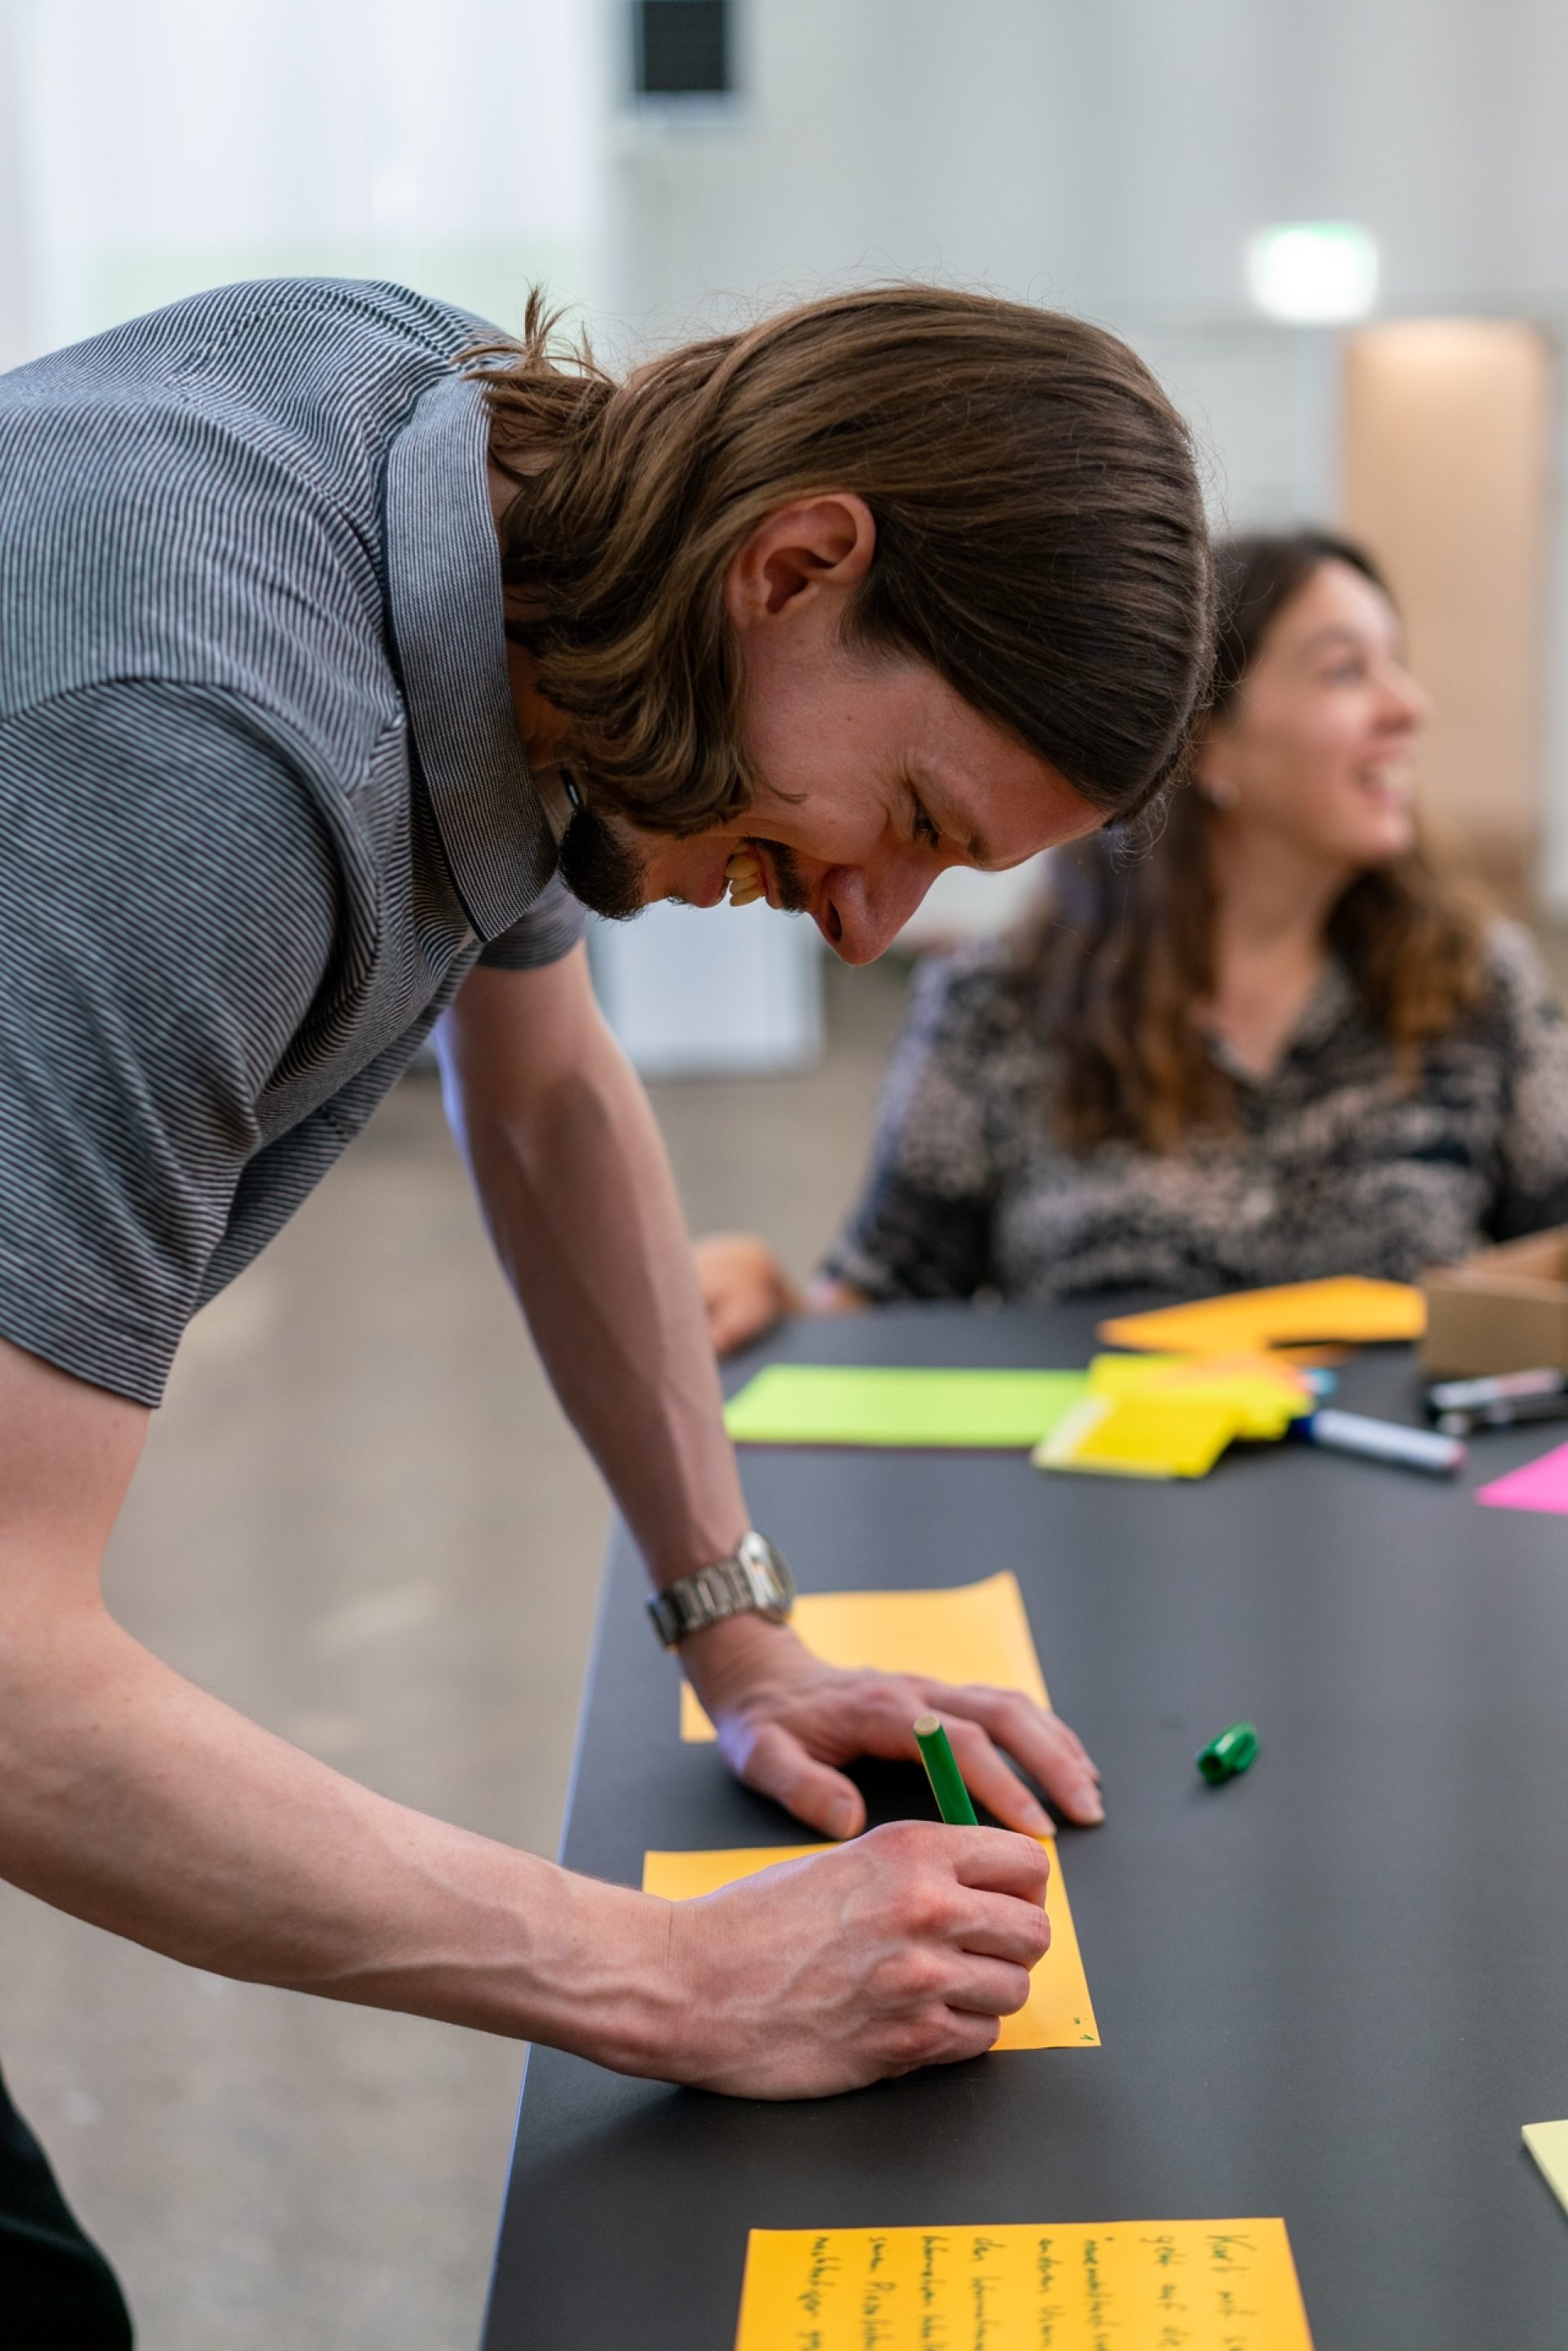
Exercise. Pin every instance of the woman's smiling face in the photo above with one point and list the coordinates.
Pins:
(1321, 746)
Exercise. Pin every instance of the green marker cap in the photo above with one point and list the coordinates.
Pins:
(1230, 1751)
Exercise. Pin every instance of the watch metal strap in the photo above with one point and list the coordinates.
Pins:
(753, 1579)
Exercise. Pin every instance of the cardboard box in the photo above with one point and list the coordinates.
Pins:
(1503, 1310)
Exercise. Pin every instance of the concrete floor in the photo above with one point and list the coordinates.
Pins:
(362, 1520)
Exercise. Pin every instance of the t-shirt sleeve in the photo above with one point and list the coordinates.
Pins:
(921, 1227)
(1532, 1189)
(550, 929)
(167, 914)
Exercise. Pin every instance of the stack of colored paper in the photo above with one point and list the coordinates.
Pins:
(1173, 1416)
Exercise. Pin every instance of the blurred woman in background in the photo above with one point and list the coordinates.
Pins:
(1278, 1044)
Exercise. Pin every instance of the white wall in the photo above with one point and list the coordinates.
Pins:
(711, 992)
(1115, 156)
(873, 137)
(1438, 124)
(150, 148)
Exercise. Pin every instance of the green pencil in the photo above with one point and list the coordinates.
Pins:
(942, 1771)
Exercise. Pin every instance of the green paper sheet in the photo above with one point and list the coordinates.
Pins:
(834, 1403)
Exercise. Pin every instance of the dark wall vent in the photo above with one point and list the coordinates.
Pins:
(682, 48)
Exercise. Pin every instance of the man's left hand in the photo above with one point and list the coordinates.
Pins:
(786, 1721)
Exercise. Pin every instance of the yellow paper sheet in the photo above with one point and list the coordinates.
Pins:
(1114, 2285)
(1057, 2014)
(1164, 1435)
(1548, 2143)
(972, 1633)
(1266, 1394)
(1347, 1308)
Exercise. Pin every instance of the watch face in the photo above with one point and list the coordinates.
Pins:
(770, 1574)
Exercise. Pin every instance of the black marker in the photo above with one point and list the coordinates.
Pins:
(1501, 1387)
(1507, 1400)
(1507, 1414)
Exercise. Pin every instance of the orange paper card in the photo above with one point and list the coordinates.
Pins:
(971, 1633)
(1347, 1308)
(1110, 2285)
(1057, 2013)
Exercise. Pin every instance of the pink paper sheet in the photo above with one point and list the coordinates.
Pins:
(1540, 1485)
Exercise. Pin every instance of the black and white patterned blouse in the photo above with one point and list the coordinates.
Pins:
(1332, 1168)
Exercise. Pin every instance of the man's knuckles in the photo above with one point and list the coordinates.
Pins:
(910, 1976)
(907, 1845)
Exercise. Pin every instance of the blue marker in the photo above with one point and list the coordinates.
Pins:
(1383, 1440)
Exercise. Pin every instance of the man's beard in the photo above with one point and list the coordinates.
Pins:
(600, 868)
(604, 872)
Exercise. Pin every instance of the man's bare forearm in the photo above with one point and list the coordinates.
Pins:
(582, 1208)
(138, 1802)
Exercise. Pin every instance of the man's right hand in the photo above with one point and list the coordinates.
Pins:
(905, 1948)
(138, 1802)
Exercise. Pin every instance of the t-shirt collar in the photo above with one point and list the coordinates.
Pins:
(443, 590)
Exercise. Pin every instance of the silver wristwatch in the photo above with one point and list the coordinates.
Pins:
(753, 1580)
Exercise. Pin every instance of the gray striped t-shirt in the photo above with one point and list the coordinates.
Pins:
(263, 800)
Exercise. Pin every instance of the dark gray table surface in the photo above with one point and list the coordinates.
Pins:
(1334, 1990)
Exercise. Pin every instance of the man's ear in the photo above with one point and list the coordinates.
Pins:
(817, 547)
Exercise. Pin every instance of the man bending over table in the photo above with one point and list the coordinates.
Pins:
(343, 663)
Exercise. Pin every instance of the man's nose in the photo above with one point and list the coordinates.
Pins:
(870, 909)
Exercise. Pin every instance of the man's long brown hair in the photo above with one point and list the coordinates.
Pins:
(1040, 533)
(1124, 949)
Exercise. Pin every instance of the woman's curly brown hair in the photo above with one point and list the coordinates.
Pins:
(1124, 949)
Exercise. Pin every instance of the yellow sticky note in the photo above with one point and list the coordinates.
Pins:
(1548, 2143)
(1057, 2014)
(1168, 1435)
(1266, 1393)
(1348, 1308)
(971, 1633)
(1113, 2286)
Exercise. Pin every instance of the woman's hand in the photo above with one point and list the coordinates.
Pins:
(745, 1290)
(786, 1721)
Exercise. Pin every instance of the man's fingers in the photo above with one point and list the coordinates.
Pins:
(972, 2035)
(996, 1861)
(983, 1987)
(946, 2036)
(777, 1765)
(1040, 1741)
(999, 1927)
(992, 1780)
